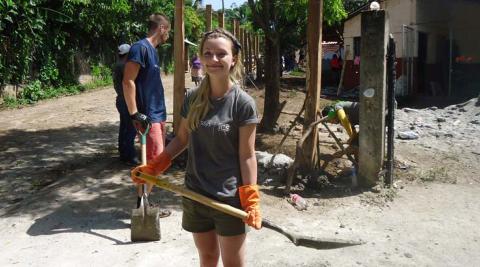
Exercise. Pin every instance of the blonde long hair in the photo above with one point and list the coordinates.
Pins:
(200, 102)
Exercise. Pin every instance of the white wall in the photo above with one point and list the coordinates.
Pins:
(405, 13)
(351, 29)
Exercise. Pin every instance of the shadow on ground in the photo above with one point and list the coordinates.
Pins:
(69, 181)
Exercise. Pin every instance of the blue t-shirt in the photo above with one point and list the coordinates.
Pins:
(149, 94)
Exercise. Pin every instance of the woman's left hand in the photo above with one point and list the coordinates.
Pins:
(250, 200)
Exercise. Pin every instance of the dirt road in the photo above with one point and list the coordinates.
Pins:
(65, 200)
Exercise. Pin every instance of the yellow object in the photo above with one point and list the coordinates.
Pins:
(250, 200)
(342, 117)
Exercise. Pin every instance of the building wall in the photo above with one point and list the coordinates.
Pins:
(404, 14)
(351, 29)
(433, 23)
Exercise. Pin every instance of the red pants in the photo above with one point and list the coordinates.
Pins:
(155, 140)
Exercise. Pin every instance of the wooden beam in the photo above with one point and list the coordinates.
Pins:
(221, 19)
(179, 55)
(314, 75)
(250, 52)
(242, 41)
(236, 29)
(372, 96)
(259, 61)
(208, 17)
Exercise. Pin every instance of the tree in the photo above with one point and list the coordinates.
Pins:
(281, 22)
(37, 34)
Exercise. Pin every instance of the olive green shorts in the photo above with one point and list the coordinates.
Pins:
(198, 218)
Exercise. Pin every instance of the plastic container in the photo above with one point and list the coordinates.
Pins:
(298, 202)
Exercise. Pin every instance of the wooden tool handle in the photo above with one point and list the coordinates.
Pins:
(193, 195)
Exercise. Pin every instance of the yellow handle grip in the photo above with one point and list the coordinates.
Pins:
(163, 183)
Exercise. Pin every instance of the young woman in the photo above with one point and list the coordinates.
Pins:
(218, 125)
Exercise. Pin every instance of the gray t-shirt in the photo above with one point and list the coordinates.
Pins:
(213, 167)
(351, 109)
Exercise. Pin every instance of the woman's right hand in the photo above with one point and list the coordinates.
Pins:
(156, 167)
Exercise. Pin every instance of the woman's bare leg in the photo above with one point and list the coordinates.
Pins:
(207, 247)
(232, 249)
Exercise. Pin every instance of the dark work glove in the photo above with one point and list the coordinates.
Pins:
(140, 121)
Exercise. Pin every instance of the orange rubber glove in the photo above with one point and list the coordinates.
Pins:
(154, 167)
(250, 200)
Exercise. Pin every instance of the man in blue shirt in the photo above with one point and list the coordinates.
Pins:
(143, 89)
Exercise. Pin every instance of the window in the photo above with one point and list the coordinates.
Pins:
(356, 46)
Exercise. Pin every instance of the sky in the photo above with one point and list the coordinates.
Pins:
(217, 4)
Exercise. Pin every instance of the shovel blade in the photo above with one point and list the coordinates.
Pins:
(145, 224)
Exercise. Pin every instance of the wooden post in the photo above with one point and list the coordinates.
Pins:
(314, 75)
(208, 17)
(236, 29)
(179, 54)
(221, 19)
(242, 41)
(259, 61)
(254, 51)
(373, 50)
(250, 52)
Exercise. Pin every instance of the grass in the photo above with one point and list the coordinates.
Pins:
(297, 73)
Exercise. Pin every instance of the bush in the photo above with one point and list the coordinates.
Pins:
(170, 68)
(102, 73)
(49, 73)
(33, 92)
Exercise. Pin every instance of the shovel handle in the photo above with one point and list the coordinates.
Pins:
(163, 183)
(143, 143)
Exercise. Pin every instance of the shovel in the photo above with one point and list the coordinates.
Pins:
(298, 240)
(145, 221)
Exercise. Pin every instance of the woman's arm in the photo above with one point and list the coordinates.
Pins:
(180, 142)
(248, 160)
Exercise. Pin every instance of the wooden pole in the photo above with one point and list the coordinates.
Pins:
(208, 17)
(250, 52)
(179, 54)
(259, 61)
(236, 29)
(221, 19)
(242, 41)
(254, 52)
(372, 96)
(314, 41)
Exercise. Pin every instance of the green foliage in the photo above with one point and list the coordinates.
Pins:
(33, 92)
(101, 72)
(49, 73)
(288, 19)
(170, 68)
(39, 39)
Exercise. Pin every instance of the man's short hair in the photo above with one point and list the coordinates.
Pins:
(157, 19)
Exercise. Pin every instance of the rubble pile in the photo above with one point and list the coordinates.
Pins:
(455, 125)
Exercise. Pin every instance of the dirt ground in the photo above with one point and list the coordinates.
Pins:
(65, 200)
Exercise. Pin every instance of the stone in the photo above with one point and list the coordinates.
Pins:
(441, 119)
(410, 110)
(408, 255)
(408, 135)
